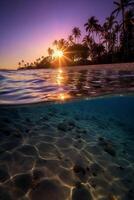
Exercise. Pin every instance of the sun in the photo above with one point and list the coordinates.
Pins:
(58, 53)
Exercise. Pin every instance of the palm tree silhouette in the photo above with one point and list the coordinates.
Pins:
(70, 39)
(121, 5)
(62, 44)
(92, 26)
(76, 32)
(88, 41)
(55, 43)
(50, 52)
(117, 32)
(19, 64)
(22, 63)
(110, 22)
(129, 30)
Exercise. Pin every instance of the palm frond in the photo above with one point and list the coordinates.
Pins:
(86, 29)
(116, 3)
(117, 10)
(86, 24)
(130, 4)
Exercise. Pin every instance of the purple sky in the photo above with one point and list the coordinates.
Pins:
(28, 27)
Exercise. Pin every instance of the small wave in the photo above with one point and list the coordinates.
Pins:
(45, 85)
(2, 77)
(38, 81)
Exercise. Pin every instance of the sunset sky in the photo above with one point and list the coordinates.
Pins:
(28, 27)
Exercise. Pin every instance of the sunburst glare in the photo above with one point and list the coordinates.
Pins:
(58, 54)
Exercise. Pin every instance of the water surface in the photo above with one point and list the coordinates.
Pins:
(29, 86)
(81, 149)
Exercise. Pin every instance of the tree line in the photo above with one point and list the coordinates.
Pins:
(110, 42)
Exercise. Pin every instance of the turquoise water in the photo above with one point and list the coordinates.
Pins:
(67, 135)
(79, 150)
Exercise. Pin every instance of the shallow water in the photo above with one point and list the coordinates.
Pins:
(30, 86)
(80, 150)
(79, 146)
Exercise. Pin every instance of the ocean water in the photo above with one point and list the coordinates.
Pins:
(31, 86)
(67, 135)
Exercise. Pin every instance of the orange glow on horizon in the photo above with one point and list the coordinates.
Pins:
(58, 54)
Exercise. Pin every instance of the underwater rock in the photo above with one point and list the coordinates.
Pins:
(107, 146)
(78, 169)
(23, 182)
(63, 127)
(95, 169)
(81, 172)
(66, 125)
(49, 190)
(81, 193)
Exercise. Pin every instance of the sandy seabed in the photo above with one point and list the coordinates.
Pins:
(82, 150)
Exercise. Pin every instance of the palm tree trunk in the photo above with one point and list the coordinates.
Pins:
(123, 21)
(123, 16)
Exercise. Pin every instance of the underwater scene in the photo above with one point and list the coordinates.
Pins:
(73, 149)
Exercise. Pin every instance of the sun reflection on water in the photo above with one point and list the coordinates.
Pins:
(61, 80)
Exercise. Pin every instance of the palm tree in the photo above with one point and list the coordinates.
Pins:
(99, 50)
(62, 44)
(76, 32)
(129, 30)
(110, 22)
(92, 26)
(50, 52)
(105, 35)
(55, 43)
(22, 63)
(88, 41)
(117, 32)
(19, 64)
(121, 5)
(70, 39)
